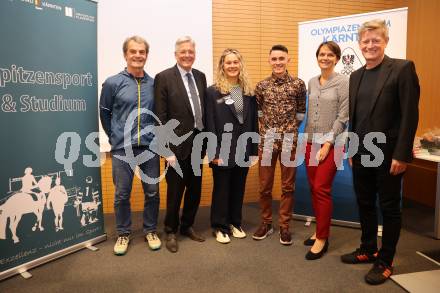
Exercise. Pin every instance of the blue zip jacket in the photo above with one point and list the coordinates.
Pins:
(121, 95)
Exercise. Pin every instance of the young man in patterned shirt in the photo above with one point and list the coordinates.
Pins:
(281, 101)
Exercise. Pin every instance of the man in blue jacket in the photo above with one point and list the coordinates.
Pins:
(126, 99)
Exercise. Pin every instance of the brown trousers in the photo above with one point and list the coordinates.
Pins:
(266, 174)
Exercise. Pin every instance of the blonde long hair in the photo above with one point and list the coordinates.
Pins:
(221, 81)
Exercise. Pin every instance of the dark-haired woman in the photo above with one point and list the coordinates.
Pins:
(327, 118)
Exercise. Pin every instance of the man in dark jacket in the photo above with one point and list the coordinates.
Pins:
(179, 94)
(383, 99)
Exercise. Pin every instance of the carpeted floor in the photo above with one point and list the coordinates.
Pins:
(244, 265)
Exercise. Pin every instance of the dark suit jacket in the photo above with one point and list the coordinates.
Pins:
(394, 108)
(218, 113)
(172, 102)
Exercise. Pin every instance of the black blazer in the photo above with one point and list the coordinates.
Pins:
(172, 102)
(394, 108)
(218, 113)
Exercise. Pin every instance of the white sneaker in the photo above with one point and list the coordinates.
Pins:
(153, 240)
(222, 237)
(121, 245)
(237, 232)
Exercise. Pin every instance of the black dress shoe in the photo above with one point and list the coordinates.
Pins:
(192, 235)
(172, 243)
(309, 241)
(312, 256)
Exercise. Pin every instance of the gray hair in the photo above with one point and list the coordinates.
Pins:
(185, 39)
(375, 24)
(136, 39)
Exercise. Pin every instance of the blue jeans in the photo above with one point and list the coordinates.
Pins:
(123, 181)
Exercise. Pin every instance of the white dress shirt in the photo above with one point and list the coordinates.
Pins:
(183, 73)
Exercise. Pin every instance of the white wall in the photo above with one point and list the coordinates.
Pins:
(160, 22)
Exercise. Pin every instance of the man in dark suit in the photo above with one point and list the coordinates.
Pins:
(384, 97)
(179, 94)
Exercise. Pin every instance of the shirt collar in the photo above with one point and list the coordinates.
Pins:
(182, 71)
(280, 80)
(140, 78)
(331, 76)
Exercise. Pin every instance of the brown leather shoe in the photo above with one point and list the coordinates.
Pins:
(285, 236)
(263, 231)
(192, 235)
(171, 243)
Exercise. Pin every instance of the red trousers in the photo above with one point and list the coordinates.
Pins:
(320, 177)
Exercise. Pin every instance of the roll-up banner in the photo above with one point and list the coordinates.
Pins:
(50, 186)
(344, 31)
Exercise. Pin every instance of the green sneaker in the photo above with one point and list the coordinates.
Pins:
(121, 245)
(153, 240)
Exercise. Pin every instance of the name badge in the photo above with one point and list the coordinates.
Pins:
(228, 100)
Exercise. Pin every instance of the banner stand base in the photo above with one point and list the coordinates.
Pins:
(23, 269)
(92, 248)
(309, 219)
(26, 275)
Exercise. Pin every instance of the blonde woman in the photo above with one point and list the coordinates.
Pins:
(230, 108)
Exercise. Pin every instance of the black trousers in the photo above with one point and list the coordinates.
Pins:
(176, 186)
(370, 182)
(227, 197)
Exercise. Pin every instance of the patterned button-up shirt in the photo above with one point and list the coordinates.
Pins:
(282, 104)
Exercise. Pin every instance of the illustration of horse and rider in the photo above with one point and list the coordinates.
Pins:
(31, 198)
(57, 198)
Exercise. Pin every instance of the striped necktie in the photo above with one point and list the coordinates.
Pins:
(195, 99)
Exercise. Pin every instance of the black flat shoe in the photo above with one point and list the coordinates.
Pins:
(312, 256)
(309, 241)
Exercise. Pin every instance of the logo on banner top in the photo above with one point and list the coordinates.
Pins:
(350, 61)
(38, 4)
(71, 12)
(68, 11)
